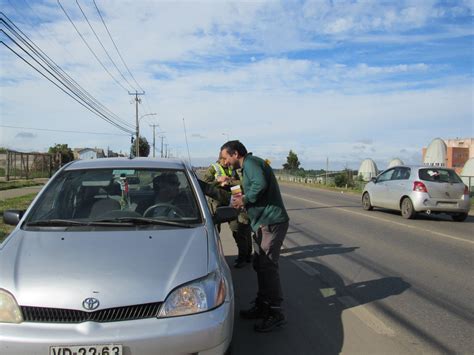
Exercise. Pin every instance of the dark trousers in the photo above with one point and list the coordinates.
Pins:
(242, 236)
(267, 244)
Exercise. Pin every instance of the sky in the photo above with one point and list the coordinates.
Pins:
(337, 81)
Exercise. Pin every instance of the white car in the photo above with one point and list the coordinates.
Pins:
(100, 265)
(412, 189)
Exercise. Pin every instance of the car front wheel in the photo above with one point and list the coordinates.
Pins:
(366, 205)
(460, 217)
(408, 211)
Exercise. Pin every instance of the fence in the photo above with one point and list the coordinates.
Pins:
(18, 165)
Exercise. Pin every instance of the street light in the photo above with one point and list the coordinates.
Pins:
(137, 141)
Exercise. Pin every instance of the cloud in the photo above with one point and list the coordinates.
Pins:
(312, 76)
(25, 135)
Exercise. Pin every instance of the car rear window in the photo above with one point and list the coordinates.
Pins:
(439, 175)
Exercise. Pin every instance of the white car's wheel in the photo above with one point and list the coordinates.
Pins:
(366, 204)
(408, 211)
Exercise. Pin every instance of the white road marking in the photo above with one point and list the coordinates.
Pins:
(382, 219)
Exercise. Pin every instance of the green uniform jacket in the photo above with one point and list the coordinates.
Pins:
(262, 197)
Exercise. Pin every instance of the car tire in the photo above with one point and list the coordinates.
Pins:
(366, 204)
(460, 217)
(407, 209)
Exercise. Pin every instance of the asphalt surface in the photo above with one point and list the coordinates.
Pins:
(364, 282)
(359, 282)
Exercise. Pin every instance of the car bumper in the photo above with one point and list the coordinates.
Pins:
(204, 333)
(423, 202)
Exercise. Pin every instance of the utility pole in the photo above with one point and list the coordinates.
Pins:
(166, 150)
(137, 101)
(162, 137)
(327, 168)
(157, 125)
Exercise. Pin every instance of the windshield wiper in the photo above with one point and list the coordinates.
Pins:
(143, 220)
(56, 222)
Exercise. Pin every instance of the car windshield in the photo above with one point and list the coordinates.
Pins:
(117, 196)
(439, 175)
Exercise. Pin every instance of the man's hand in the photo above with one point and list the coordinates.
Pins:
(223, 180)
(237, 202)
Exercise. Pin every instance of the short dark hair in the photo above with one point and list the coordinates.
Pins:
(168, 178)
(234, 146)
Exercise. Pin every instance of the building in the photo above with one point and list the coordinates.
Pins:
(88, 153)
(451, 153)
(367, 170)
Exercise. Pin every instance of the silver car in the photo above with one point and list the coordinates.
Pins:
(116, 256)
(412, 189)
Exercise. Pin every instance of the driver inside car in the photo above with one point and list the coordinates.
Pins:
(168, 201)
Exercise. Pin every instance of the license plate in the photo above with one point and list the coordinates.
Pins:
(109, 349)
(447, 204)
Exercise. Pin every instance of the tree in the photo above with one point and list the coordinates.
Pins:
(292, 162)
(344, 179)
(143, 148)
(64, 152)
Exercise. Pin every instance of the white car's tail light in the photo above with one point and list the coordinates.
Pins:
(466, 190)
(419, 186)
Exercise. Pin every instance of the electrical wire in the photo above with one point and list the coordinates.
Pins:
(101, 115)
(89, 47)
(116, 48)
(65, 131)
(102, 45)
(78, 90)
(55, 66)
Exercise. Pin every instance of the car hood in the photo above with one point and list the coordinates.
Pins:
(61, 269)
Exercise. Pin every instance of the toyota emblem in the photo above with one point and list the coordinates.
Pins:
(90, 303)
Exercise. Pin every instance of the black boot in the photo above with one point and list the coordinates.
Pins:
(274, 319)
(257, 311)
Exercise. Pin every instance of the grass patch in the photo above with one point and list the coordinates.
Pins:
(15, 203)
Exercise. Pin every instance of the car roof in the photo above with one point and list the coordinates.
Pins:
(417, 167)
(116, 163)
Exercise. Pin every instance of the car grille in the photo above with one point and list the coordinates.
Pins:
(58, 315)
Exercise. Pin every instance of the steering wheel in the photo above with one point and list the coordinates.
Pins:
(168, 208)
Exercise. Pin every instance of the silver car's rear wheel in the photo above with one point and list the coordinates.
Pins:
(366, 205)
(408, 211)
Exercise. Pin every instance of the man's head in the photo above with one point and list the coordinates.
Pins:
(221, 160)
(166, 185)
(233, 153)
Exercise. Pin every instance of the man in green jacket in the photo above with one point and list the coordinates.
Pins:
(269, 220)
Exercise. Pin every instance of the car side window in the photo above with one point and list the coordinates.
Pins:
(401, 174)
(385, 176)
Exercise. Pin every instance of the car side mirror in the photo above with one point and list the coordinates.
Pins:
(12, 217)
(224, 214)
(374, 180)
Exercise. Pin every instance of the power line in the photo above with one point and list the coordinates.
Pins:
(65, 131)
(116, 48)
(67, 93)
(89, 47)
(100, 42)
(71, 84)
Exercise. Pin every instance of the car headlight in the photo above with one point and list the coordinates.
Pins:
(195, 297)
(9, 310)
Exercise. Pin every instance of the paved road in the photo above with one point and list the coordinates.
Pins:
(6, 194)
(365, 282)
